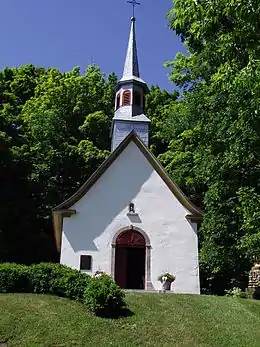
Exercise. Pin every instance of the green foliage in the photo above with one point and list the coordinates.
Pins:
(169, 276)
(59, 280)
(14, 278)
(103, 296)
(213, 132)
(249, 209)
(236, 293)
(71, 285)
(43, 278)
(95, 128)
(54, 133)
(158, 104)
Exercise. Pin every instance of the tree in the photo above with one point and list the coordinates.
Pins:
(215, 143)
(158, 103)
(54, 133)
(45, 153)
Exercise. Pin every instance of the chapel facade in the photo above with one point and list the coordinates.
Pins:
(129, 219)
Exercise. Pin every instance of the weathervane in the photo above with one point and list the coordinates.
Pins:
(134, 3)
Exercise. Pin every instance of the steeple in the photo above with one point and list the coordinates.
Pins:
(131, 61)
(130, 97)
(131, 68)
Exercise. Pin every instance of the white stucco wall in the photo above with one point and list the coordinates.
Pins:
(103, 211)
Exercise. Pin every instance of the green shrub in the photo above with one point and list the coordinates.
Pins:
(14, 278)
(59, 280)
(42, 277)
(71, 284)
(104, 297)
(235, 292)
(100, 293)
(239, 293)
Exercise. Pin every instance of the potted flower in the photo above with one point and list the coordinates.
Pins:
(166, 280)
(98, 274)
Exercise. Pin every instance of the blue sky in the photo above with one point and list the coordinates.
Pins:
(67, 33)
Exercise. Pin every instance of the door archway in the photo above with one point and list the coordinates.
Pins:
(130, 259)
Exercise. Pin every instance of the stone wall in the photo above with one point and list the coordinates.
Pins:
(254, 277)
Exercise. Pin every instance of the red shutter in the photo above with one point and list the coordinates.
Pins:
(126, 97)
(118, 101)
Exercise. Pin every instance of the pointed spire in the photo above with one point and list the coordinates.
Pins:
(130, 97)
(131, 62)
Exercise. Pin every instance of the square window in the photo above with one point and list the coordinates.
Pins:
(85, 262)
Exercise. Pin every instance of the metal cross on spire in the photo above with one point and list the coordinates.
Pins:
(134, 3)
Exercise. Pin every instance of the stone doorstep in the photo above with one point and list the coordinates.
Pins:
(148, 291)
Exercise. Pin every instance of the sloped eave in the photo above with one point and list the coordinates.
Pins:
(63, 210)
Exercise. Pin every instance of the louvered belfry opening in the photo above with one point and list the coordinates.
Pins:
(126, 98)
(118, 101)
(137, 98)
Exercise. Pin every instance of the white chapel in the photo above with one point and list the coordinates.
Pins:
(129, 219)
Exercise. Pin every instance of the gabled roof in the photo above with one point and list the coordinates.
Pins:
(63, 210)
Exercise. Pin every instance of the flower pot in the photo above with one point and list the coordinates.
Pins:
(166, 285)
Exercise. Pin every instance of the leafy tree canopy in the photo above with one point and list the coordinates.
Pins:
(214, 151)
(54, 133)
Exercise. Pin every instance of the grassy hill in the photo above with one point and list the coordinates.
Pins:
(156, 320)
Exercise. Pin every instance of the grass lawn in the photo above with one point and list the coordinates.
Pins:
(157, 320)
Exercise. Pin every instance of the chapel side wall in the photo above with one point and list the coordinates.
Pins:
(103, 211)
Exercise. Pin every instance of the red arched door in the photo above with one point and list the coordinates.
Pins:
(130, 260)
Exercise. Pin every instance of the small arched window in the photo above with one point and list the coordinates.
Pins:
(137, 98)
(126, 97)
(118, 101)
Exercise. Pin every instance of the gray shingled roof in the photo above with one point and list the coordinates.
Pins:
(131, 62)
(128, 113)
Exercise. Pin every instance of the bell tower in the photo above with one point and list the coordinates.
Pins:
(130, 98)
